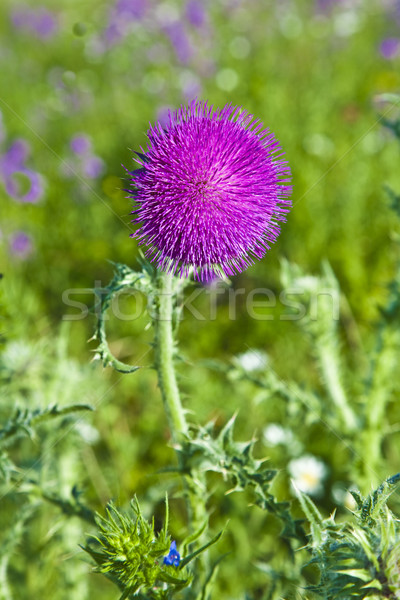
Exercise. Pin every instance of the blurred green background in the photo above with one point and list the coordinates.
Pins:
(80, 81)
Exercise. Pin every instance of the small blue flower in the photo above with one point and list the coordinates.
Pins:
(173, 557)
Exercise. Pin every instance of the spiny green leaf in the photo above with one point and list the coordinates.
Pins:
(124, 278)
(194, 536)
(312, 513)
(356, 558)
(193, 555)
(23, 420)
(375, 502)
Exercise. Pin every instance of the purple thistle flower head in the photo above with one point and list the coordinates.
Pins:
(210, 192)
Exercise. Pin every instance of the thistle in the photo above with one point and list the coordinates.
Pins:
(210, 191)
(131, 553)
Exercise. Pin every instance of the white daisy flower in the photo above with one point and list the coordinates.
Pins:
(252, 360)
(308, 474)
(275, 434)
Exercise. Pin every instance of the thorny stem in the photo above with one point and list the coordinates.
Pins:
(165, 350)
(164, 354)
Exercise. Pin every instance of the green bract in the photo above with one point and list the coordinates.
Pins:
(131, 553)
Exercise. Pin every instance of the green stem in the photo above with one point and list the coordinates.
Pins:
(165, 350)
(164, 354)
(330, 370)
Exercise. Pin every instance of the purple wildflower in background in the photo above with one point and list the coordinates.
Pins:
(80, 144)
(122, 14)
(195, 12)
(133, 9)
(327, 6)
(390, 48)
(39, 21)
(324, 5)
(45, 23)
(21, 17)
(12, 167)
(173, 558)
(17, 153)
(180, 41)
(210, 192)
(85, 162)
(21, 245)
(35, 191)
(92, 166)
